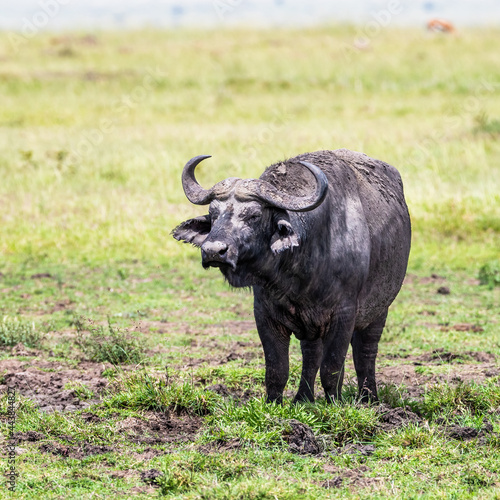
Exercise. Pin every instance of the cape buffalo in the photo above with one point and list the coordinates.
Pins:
(323, 239)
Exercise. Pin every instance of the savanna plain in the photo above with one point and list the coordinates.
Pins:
(136, 372)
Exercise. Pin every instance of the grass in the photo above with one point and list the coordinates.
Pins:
(144, 392)
(14, 331)
(489, 274)
(477, 399)
(93, 140)
(108, 344)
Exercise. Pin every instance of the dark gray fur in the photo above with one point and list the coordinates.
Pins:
(327, 275)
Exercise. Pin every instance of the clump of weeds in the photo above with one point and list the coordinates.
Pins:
(107, 343)
(14, 331)
(489, 274)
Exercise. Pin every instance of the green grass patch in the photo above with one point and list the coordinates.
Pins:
(143, 391)
(460, 398)
(14, 331)
(489, 274)
(265, 423)
(108, 343)
(487, 125)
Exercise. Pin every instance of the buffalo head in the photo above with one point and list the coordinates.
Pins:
(248, 221)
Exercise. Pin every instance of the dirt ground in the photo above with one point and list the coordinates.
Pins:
(44, 381)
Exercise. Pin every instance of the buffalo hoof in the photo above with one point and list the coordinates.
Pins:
(368, 397)
(303, 398)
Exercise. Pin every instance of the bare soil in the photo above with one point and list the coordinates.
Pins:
(44, 382)
(464, 367)
(160, 428)
(394, 418)
(79, 451)
(355, 478)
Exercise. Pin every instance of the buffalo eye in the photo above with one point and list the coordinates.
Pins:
(252, 217)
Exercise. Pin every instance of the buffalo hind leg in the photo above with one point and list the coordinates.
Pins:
(335, 346)
(312, 352)
(364, 351)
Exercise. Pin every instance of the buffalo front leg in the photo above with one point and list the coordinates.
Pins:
(312, 352)
(335, 346)
(275, 340)
(364, 351)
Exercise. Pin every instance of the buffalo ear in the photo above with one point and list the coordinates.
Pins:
(193, 231)
(284, 238)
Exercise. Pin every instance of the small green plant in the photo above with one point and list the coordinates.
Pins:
(143, 391)
(109, 373)
(14, 331)
(460, 399)
(108, 344)
(489, 274)
(486, 125)
(394, 395)
(175, 481)
(476, 477)
(82, 391)
(413, 436)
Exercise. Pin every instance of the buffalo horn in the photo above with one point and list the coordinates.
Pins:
(258, 188)
(269, 194)
(194, 192)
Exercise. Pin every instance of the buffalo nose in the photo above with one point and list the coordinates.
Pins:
(214, 251)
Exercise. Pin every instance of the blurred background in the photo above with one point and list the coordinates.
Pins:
(202, 13)
(104, 102)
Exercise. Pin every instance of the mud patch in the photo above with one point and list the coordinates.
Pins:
(21, 350)
(213, 351)
(149, 453)
(462, 433)
(233, 356)
(44, 382)
(123, 474)
(80, 451)
(394, 418)
(40, 276)
(92, 418)
(221, 446)
(221, 390)
(151, 476)
(301, 439)
(354, 478)
(29, 436)
(440, 355)
(467, 433)
(160, 428)
(460, 367)
(462, 327)
(235, 394)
